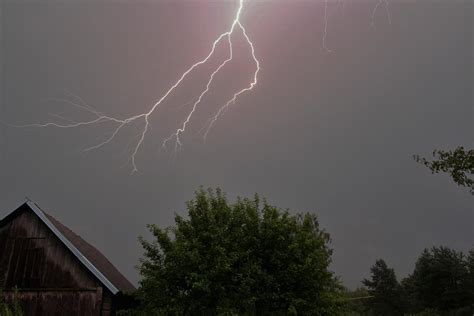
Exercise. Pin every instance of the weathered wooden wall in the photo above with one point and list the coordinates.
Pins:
(51, 280)
(45, 302)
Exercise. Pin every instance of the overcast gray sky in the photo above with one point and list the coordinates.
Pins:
(330, 133)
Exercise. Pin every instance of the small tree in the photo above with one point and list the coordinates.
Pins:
(7, 310)
(246, 258)
(385, 289)
(459, 163)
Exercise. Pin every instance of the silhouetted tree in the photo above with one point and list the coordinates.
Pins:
(439, 281)
(385, 289)
(246, 258)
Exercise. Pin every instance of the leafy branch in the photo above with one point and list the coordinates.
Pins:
(459, 163)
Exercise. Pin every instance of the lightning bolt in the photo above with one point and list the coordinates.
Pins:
(232, 100)
(325, 33)
(144, 118)
(386, 3)
(237, 94)
(341, 3)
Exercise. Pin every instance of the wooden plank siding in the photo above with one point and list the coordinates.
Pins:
(50, 279)
(59, 302)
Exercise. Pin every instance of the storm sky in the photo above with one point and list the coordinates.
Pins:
(329, 133)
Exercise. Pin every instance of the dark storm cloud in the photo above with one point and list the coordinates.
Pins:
(329, 133)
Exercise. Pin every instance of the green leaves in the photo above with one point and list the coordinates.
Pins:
(442, 283)
(459, 163)
(243, 258)
(13, 309)
(441, 279)
(385, 289)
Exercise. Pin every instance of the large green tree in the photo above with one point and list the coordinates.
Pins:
(246, 258)
(385, 289)
(458, 163)
(440, 281)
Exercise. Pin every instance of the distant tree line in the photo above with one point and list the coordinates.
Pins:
(442, 283)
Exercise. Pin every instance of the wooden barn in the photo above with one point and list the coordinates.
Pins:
(55, 271)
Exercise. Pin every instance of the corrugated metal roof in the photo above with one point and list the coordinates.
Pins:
(88, 255)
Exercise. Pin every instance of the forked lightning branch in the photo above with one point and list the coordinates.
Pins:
(143, 119)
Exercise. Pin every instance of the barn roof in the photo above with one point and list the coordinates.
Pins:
(87, 254)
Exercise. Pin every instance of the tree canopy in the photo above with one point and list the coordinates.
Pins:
(385, 289)
(248, 258)
(440, 281)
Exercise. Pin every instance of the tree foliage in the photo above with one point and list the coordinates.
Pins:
(13, 309)
(442, 284)
(459, 163)
(385, 289)
(470, 281)
(440, 281)
(356, 302)
(246, 258)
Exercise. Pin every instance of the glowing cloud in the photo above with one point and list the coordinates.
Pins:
(144, 118)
